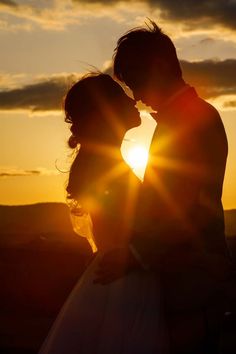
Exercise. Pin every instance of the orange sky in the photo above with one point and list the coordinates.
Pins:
(44, 43)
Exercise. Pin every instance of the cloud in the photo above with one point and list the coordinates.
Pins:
(214, 11)
(55, 15)
(50, 15)
(58, 14)
(211, 78)
(8, 3)
(207, 41)
(190, 12)
(11, 81)
(45, 95)
(18, 172)
(230, 104)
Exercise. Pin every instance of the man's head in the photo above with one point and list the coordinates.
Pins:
(145, 60)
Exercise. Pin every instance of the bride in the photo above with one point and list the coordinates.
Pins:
(124, 316)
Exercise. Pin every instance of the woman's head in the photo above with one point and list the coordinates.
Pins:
(97, 108)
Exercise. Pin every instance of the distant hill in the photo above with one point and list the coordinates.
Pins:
(41, 259)
(35, 218)
(43, 226)
(54, 217)
(47, 227)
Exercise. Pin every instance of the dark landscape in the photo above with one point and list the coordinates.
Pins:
(41, 258)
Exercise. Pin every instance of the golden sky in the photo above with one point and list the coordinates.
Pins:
(45, 45)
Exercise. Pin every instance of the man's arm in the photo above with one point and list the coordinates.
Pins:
(116, 264)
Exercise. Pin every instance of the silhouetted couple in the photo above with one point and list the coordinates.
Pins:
(161, 251)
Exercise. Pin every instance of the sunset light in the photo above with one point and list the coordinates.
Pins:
(137, 157)
(59, 50)
(117, 176)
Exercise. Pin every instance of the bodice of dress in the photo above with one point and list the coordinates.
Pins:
(107, 192)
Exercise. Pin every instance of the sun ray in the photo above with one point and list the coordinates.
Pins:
(137, 158)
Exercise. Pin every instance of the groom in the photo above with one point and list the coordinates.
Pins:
(180, 220)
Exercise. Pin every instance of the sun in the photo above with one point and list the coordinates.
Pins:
(137, 157)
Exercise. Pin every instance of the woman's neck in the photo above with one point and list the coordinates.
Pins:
(106, 150)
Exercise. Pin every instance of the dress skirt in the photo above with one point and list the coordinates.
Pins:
(123, 317)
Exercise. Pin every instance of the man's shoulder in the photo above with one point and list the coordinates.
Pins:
(209, 127)
(189, 107)
(207, 108)
(199, 106)
(203, 114)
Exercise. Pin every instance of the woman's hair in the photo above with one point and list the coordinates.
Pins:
(88, 103)
(141, 47)
(88, 106)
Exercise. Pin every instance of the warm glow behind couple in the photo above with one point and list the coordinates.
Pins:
(161, 256)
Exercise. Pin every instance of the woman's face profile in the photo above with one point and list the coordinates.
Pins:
(127, 111)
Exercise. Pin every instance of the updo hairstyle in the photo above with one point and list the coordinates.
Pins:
(89, 105)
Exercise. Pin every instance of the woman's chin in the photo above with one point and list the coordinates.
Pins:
(138, 123)
(134, 123)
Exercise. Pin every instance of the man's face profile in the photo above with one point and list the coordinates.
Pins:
(147, 82)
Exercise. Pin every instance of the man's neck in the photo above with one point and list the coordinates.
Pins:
(160, 96)
(174, 88)
(175, 91)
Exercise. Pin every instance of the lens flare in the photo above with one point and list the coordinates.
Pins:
(137, 157)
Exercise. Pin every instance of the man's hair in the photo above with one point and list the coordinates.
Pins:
(141, 48)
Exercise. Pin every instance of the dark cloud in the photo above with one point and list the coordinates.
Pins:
(220, 11)
(230, 104)
(8, 3)
(43, 96)
(105, 2)
(18, 172)
(189, 11)
(211, 79)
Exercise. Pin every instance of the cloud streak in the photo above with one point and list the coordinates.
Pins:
(194, 12)
(230, 104)
(210, 77)
(8, 3)
(191, 12)
(6, 172)
(46, 95)
(57, 14)
(49, 15)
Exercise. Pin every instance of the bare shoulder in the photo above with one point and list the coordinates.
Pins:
(209, 118)
(211, 131)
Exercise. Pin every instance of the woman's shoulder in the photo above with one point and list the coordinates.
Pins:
(98, 174)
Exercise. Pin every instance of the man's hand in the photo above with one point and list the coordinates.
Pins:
(115, 264)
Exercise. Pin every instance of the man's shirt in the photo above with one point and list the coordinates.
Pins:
(180, 202)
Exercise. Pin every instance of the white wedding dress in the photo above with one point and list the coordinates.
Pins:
(123, 317)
